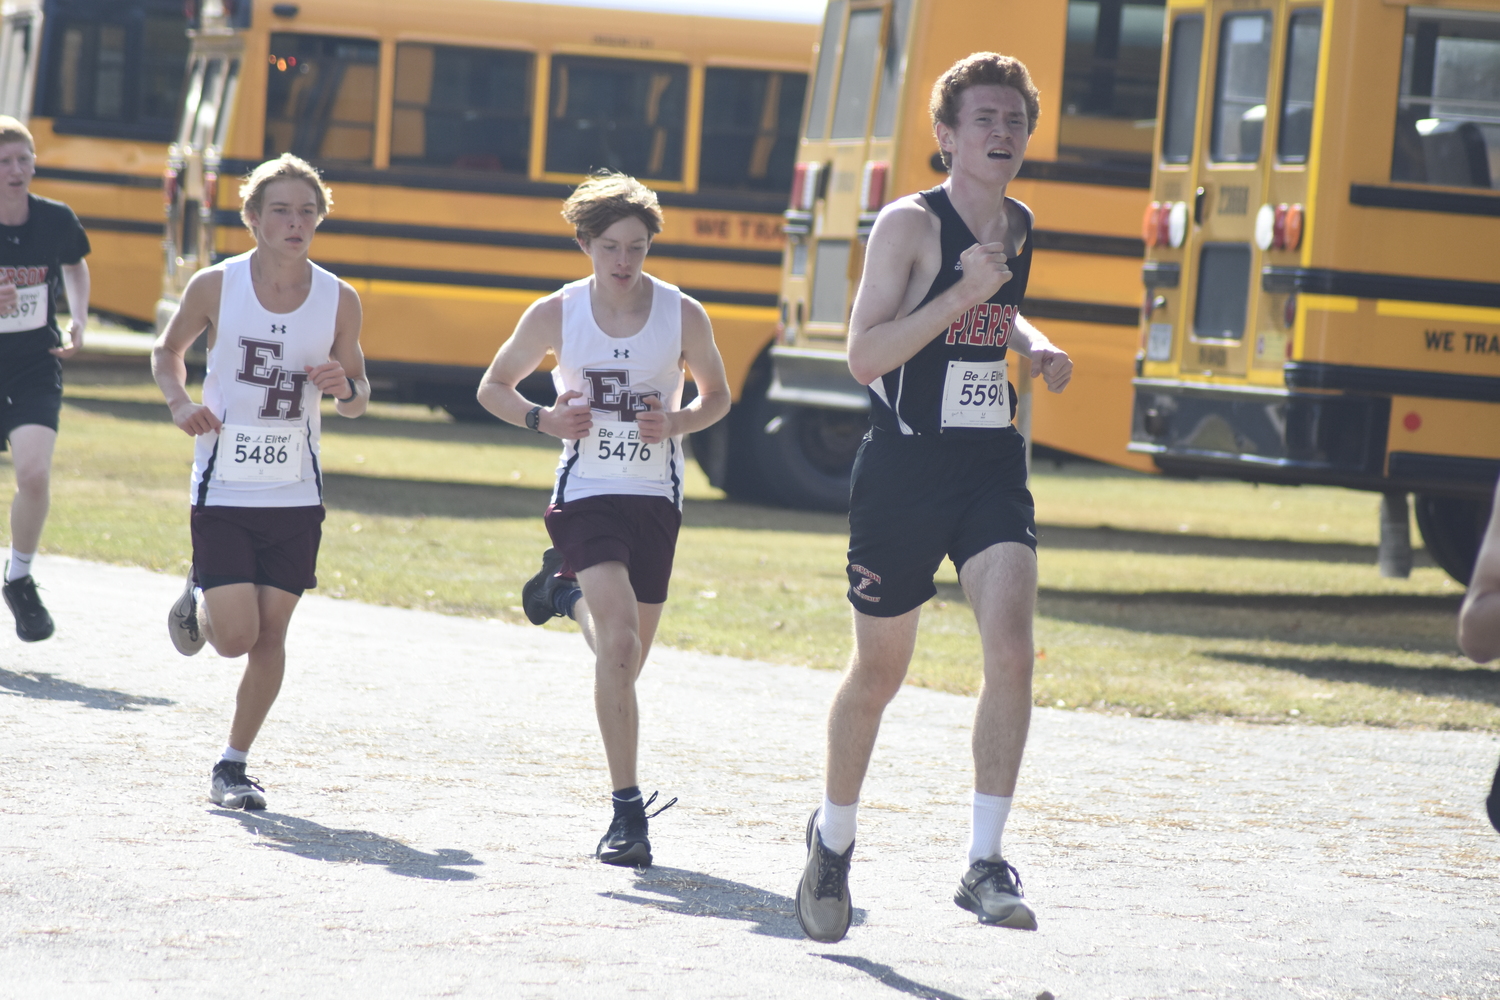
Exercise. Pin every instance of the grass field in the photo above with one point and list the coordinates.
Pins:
(1158, 597)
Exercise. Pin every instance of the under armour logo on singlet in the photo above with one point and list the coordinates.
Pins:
(622, 352)
(281, 328)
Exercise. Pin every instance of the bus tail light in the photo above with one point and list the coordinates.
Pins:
(1176, 224)
(210, 193)
(1151, 224)
(872, 186)
(1292, 227)
(805, 186)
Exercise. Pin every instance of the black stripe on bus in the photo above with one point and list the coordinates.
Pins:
(426, 179)
(1362, 285)
(1451, 202)
(1392, 381)
(1111, 246)
(98, 224)
(1443, 468)
(1082, 173)
(1081, 312)
(99, 177)
(512, 238)
(473, 279)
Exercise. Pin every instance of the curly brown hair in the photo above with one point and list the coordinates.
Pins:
(607, 197)
(976, 70)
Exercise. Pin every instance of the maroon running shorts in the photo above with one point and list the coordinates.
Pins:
(640, 532)
(267, 546)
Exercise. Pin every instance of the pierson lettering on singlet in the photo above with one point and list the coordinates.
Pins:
(609, 392)
(985, 325)
(23, 276)
(284, 389)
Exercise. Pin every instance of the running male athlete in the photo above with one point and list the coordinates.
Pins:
(621, 338)
(42, 246)
(1479, 619)
(282, 333)
(942, 471)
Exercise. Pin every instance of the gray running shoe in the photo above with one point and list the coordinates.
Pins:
(33, 624)
(182, 621)
(992, 891)
(824, 908)
(537, 593)
(231, 789)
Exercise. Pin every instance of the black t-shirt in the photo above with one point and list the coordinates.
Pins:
(32, 255)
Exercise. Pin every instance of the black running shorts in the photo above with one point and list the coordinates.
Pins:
(640, 532)
(32, 394)
(914, 500)
(267, 546)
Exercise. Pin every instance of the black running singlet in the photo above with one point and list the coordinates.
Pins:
(911, 399)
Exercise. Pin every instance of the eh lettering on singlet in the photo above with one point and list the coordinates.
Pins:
(284, 389)
(985, 325)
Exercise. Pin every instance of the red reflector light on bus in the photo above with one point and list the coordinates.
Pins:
(872, 187)
(1151, 224)
(1291, 227)
(804, 186)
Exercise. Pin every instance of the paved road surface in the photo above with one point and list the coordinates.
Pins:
(436, 787)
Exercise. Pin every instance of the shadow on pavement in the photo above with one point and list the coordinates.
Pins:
(307, 839)
(1480, 684)
(697, 895)
(888, 976)
(52, 688)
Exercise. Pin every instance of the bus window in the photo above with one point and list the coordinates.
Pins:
(830, 290)
(1110, 66)
(749, 129)
(828, 50)
(1294, 135)
(193, 95)
(15, 56)
(226, 105)
(1223, 291)
(851, 109)
(208, 108)
(462, 109)
(1240, 87)
(113, 73)
(621, 114)
(893, 71)
(1181, 113)
(320, 98)
(1448, 114)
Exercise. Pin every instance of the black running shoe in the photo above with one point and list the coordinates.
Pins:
(33, 624)
(626, 843)
(231, 789)
(991, 890)
(538, 593)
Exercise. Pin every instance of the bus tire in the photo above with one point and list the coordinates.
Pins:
(1452, 528)
(802, 455)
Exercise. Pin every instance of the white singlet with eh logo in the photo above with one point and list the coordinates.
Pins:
(975, 394)
(29, 312)
(250, 454)
(616, 451)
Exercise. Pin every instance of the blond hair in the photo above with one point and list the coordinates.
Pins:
(976, 70)
(11, 130)
(285, 167)
(605, 198)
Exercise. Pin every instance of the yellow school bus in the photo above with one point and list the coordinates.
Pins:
(1323, 267)
(451, 130)
(867, 139)
(99, 84)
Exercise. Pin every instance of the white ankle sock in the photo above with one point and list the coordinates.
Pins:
(20, 565)
(836, 825)
(990, 813)
(238, 756)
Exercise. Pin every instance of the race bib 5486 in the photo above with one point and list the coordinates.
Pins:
(249, 454)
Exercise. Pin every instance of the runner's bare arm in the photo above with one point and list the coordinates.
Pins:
(880, 337)
(1479, 619)
(76, 288)
(1047, 359)
(196, 312)
(539, 331)
(346, 360)
(707, 367)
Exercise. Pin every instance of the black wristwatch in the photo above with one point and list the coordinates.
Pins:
(353, 391)
(534, 419)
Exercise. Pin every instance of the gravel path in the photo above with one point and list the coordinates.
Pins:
(436, 787)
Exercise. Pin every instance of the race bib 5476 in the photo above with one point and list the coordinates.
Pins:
(616, 451)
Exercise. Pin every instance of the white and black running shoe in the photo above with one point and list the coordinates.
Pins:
(182, 620)
(538, 595)
(33, 624)
(991, 890)
(231, 788)
(626, 843)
